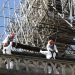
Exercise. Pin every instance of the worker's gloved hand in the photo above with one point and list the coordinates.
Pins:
(56, 53)
(5, 62)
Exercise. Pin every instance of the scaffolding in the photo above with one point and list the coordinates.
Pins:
(7, 12)
(33, 21)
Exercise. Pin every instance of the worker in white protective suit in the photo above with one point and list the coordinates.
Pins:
(7, 44)
(51, 49)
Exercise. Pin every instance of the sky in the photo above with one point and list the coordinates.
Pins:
(1, 20)
(4, 11)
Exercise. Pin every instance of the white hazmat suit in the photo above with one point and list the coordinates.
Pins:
(50, 52)
(7, 44)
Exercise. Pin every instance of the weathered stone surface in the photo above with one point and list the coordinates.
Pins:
(33, 65)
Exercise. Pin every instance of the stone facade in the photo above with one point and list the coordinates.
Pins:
(35, 65)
